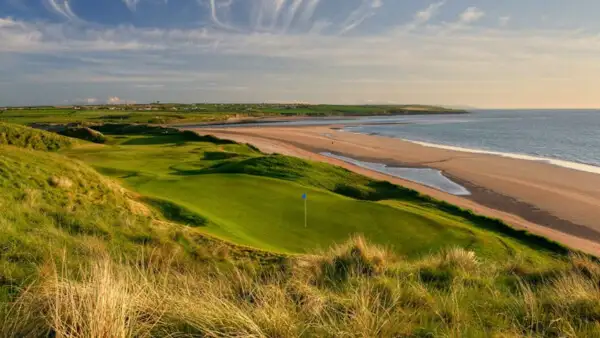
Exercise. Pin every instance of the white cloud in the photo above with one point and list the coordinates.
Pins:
(310, 6)
(471, 14)
(61, 7)
(359, 15)
(131, 4)
(503, 21)
(428, 13)
(118, 100)
(88, 100)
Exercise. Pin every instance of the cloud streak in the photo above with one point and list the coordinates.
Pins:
(62, 8)
(366, 10)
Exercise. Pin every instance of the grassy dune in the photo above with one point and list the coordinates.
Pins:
(351, 290)
(207, 239)
(24, 137)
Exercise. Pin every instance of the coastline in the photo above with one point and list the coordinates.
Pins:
(548, 200)
(553, 161)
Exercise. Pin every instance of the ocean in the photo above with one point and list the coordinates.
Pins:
(569, 138)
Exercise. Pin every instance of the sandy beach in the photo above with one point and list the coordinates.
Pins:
(555, 202)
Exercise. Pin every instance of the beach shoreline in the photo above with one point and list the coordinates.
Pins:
(552, 201)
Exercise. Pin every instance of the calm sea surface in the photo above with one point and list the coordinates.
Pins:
(563, 135)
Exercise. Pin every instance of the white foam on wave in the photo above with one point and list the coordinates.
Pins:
(426, 176)
(561, 163)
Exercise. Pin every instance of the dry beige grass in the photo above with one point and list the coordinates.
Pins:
(352, 290)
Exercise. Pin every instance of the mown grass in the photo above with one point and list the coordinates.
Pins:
(351, 290)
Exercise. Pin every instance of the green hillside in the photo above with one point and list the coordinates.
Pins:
(24, 137)
(52, 205)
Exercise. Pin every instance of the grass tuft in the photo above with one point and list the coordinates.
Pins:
(120, 298)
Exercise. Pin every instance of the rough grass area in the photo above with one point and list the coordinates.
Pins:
(24, 137)
(351, 290)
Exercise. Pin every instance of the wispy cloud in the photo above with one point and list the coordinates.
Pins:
(131, 4)
(503, 21)
(118, 100)
(425, 15)
(62, 8)
(428, 13)
(366, 10)
(470, 15)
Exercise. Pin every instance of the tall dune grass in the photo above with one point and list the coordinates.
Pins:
(352, 290)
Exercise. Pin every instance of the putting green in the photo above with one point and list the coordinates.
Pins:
(269, 213)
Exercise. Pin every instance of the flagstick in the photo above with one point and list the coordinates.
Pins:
(305, 213)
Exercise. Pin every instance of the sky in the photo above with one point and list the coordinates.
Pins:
(485, 53)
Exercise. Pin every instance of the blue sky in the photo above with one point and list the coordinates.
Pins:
(486, 53)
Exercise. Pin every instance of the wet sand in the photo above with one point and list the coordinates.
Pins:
(558, 203)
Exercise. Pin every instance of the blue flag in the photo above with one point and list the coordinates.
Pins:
(304, 196)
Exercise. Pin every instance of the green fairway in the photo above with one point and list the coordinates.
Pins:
(255, 200)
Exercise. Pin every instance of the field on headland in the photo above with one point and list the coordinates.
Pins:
(160, 113)
(161, 232)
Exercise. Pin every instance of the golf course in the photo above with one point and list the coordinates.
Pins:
(198, 236)
(255, 199)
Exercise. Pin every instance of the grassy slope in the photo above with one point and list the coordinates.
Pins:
(12, 134)
(267, 211)
(51, 205)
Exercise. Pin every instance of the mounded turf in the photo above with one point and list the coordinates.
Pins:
(24, 137)
(255, 199)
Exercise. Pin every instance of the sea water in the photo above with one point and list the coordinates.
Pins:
(568, 138)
